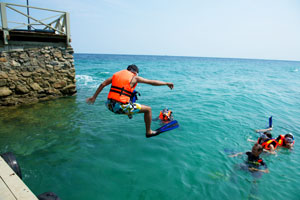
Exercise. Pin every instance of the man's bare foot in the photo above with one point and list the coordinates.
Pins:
(151, 134)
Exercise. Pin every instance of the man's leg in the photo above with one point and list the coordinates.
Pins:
(147, 118)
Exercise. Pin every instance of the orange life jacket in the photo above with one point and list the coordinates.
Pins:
(121, 90)
(165, 115)
(266, 144)
(281, 141)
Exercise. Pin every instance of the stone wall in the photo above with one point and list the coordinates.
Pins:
(36, 74)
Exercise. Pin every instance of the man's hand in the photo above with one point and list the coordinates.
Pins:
(90, 100)
(170, 85)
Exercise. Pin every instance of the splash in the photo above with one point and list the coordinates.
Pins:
(86, 80)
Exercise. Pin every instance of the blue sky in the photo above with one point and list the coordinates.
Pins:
(265, 29)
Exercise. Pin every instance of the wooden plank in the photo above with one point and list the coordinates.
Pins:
(17, 187)
(5, 193)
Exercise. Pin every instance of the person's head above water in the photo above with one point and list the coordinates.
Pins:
(133, 68)
(268, 134)
(257, 149)
(165, 115)
(289, 140)
(289, 135)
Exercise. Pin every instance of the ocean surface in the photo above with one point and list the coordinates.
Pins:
(85, 152)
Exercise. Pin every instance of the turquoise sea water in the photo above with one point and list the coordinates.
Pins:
(82, 151)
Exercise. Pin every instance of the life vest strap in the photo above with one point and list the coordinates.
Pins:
(120, 92)
(122, 89)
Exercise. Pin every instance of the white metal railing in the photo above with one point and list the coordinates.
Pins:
(60, 23)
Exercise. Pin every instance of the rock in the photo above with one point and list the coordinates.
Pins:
(23, 55)
(70, 50)
(5, 91)
(44, 84)
(3, 75)
(15, 64)
(68, 56)
(26, 74)
(12, 86)
(57, 54)
(3, 82)
(13, 77)
(63, 71)
(36, 87)
(21, 89)
(12, 72)
(61, 59)
(14, 54)
(53, 91)
(47, 55)
(42, 95)
(49, 67)
(59, 84)
(71, 75)
(31, 68)
(69, 89)
(54, 63)
(31, 100)
(39, 70)
(3, 54)
(57, 67)
(3, 59)
(52, 80)
(33, 61)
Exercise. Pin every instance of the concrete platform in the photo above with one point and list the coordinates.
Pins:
(11, 186)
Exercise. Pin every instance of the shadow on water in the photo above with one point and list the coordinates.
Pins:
(39, 125)
(251, 177)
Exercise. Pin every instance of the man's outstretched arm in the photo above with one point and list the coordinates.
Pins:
(100, 88)
(154, 82)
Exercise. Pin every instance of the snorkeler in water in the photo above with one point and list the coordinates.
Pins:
(254, 163)
(286, 141)
(268, 143)
(165, 116)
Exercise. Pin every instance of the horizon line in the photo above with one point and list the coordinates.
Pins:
(127, 54)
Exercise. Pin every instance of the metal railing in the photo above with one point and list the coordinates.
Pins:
(60, 23)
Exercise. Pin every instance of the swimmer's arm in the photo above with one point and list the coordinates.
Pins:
(259, 170)
(264, 130)
(235, 155)
(92, 99)
(249, 140)
(271, 151)
(154, 82)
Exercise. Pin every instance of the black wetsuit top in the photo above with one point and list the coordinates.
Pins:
(255, 161)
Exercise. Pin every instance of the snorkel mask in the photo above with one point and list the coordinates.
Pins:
(289, 138)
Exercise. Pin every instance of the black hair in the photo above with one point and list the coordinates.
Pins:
(269, 135)
(133, 68)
